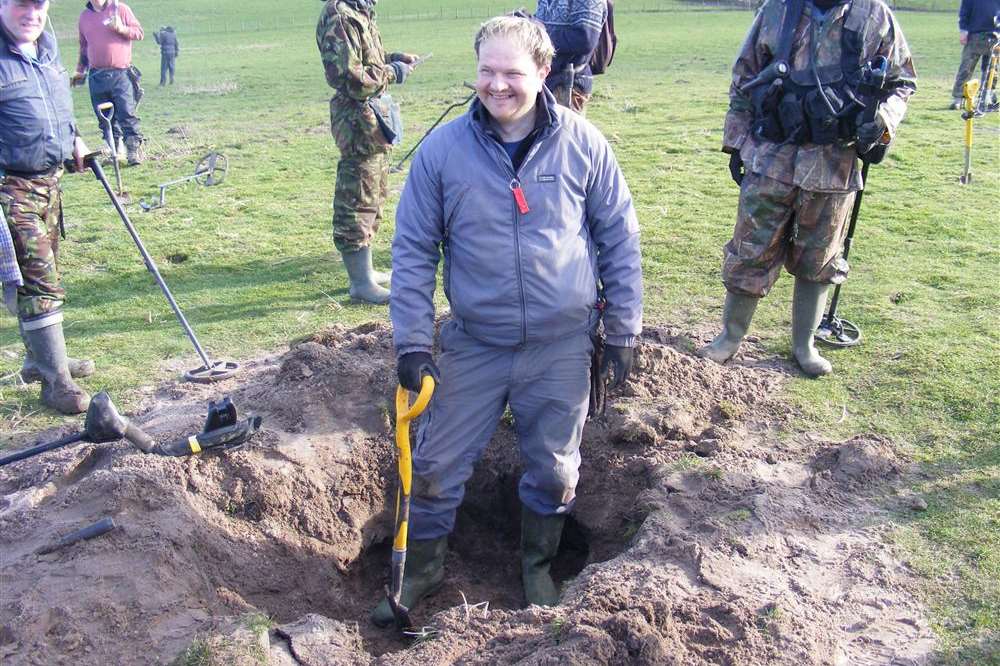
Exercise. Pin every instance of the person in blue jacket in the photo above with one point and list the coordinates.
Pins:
(575, 28)
(526, 202)
(978, 26)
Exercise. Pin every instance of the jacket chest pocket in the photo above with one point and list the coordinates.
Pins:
(22, 125)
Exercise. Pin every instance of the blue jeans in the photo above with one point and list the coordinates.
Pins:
(113, 85)
(547, 387)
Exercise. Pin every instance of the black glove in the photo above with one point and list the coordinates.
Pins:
(412, 367)
(621, 359)
(870, 134)
(736, 167)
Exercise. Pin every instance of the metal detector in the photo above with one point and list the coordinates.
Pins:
(833, 330)
(209, 371)
(211, 170)
(106, 110)
(399, 165)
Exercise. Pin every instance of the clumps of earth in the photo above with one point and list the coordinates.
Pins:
(706, 532)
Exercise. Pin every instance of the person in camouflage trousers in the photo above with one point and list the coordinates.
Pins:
(358, 69)
(36, 116)
(796, 198)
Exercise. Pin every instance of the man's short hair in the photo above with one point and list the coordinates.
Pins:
(526, 33)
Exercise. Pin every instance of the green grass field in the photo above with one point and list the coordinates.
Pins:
(260, 268)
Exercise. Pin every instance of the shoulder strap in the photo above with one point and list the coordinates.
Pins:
(852, 38)
(793, 12)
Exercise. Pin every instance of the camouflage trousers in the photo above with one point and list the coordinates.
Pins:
(575, 99)
(362, 175)
(779, 224)
(976, 49)
(33, 209)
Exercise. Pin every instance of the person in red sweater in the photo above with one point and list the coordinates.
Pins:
(107, 30)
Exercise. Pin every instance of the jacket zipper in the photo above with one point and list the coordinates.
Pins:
(514, 183)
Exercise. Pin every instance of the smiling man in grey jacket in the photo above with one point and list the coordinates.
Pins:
(526, 202)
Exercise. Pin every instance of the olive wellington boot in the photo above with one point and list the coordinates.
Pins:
(808, 302)
(48, 347)
(736, 316)
(422, 575)
(364, 285)
(540, 536)
(78, 367)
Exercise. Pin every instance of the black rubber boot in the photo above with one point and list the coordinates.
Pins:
(736, 316)
(422, 575)
(540, 536)
(78, 367)
(808, 302)
(364, 286)
(48, 347)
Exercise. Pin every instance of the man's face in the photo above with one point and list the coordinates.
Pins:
(508, 80)
(24, 19)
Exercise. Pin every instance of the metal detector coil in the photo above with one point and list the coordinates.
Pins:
(837, 332)
(211, 170)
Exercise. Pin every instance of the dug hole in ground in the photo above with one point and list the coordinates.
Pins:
(705, 531)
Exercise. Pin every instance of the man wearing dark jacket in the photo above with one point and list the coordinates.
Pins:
(37, 134)
(977, 32)
(166, 37)
(574, 26)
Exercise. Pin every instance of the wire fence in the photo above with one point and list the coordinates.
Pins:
(280, 21)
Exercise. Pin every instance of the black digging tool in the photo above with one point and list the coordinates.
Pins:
(399, 165)
(833, 330)
(211, 170)
(209, 371)
(102, 424)
(223, 431)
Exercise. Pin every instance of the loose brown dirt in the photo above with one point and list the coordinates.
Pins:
(704, 533)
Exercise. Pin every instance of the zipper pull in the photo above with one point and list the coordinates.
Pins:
(522, 203)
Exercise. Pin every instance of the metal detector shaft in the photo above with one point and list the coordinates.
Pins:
(99, 172)
(855, 210)
(42, 448)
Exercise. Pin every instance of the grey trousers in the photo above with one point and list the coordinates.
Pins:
(547, 387)
(976, 49)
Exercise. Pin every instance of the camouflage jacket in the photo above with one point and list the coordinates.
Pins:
(350, 46)
(819, 168)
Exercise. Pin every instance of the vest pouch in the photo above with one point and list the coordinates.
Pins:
(793, 119)
(824, 122)
(390, 123)
(767, 121)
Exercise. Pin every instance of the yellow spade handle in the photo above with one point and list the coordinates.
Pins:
(969, 90)
(405, 413)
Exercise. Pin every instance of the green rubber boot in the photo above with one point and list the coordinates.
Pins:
(736, 316)
(422, 575)
(364, 284)
(540, 536)
(59, 392)
(78, 367)
(808, 302)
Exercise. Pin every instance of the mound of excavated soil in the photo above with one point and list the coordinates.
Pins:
(699, 536)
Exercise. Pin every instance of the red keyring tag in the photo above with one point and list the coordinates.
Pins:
(522, 203)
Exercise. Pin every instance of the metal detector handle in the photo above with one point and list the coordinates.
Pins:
(99, 173)
(41, 448)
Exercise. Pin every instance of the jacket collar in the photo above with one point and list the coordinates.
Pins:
(545, 115)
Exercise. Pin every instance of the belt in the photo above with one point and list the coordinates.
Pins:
(97, 70)
(29, 175)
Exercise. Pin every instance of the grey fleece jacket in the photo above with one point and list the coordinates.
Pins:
(515, 278)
